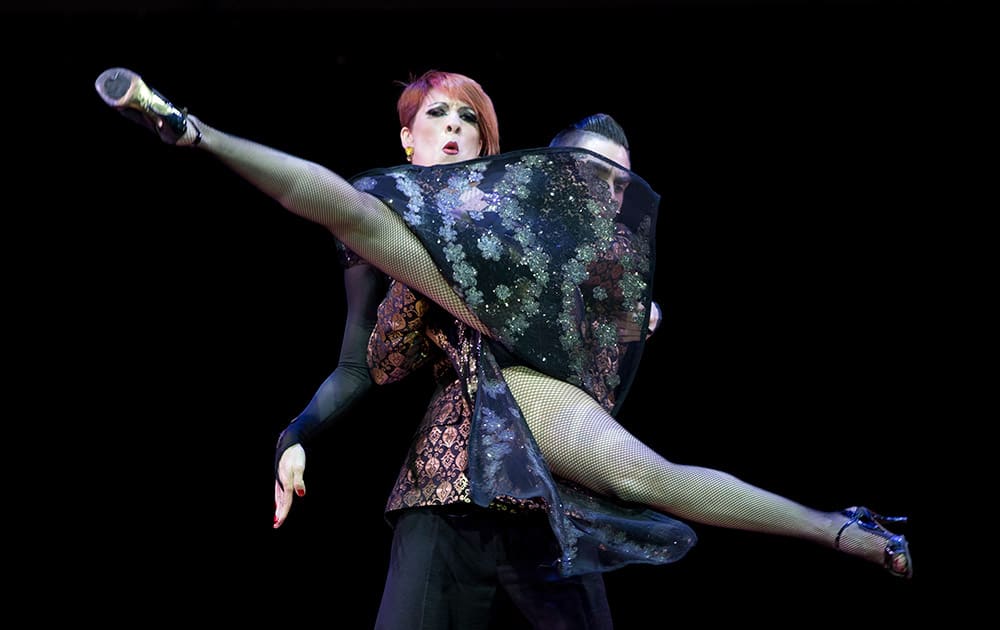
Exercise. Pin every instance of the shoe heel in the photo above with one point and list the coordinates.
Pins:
(896, 555)
(125, 91)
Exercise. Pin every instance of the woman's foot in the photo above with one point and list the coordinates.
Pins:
(125, 91)
(862, 534)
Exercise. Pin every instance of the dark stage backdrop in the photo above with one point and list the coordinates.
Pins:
(176, 319)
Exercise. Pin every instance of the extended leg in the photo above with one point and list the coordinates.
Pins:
(360, 220)
(585, 444)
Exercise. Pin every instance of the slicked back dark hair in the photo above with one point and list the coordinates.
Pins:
(601, 124)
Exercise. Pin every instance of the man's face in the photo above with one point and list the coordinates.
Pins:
(616, 178)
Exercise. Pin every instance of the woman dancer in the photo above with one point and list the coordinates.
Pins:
(453, 233)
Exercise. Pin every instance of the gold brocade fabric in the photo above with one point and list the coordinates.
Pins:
(436, 468)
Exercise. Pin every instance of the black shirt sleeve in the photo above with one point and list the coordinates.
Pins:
(350, 380)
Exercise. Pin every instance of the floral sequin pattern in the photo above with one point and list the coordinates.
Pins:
(522, 239)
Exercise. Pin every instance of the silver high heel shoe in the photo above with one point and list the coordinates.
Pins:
(896, 558)
(125, 91)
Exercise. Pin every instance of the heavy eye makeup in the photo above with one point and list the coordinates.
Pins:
(467, 114)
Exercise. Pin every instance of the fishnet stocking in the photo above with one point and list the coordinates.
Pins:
(583, 443)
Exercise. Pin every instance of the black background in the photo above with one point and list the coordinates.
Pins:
(175, 319)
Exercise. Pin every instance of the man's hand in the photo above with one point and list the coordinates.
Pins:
(654, 318)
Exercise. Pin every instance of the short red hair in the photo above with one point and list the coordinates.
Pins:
(457, 86)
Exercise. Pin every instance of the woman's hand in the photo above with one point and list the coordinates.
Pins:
(291, 472)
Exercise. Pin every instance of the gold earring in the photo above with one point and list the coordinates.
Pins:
(409, 154)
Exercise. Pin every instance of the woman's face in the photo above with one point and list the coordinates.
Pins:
(443, 131)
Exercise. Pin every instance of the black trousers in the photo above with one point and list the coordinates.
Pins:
(468, 568)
